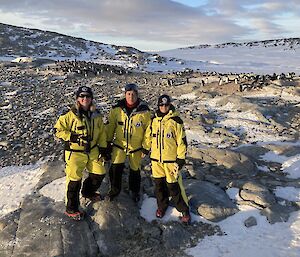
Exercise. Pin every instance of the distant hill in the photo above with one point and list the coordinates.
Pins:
(268, 56)
(262, 57)
(287, 43)
(18, 41)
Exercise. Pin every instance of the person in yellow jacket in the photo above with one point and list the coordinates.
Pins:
(167, 140)
(127, 123)
(83, 132)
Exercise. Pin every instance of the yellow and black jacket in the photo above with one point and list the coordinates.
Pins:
(127, 131)
(89, 129)
(166, 138)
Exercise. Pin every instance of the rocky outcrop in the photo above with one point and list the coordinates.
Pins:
(258, 194)
(209, 201)
(230, 160)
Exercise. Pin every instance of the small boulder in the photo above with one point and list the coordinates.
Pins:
(208, 200)
(257, 193)
(250, 222)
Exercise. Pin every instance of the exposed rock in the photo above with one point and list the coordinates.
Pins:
(209, 201)
(2, 225)
(120, 231)
(278, 213)
(53, 170)
(250, 222)
(43, 230)
(258, 194)
(8, 233)
(210, 116)
(231, 160)
(174, 235)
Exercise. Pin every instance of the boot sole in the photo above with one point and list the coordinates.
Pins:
(75, 216)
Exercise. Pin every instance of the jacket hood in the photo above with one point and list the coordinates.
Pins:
(93, 109)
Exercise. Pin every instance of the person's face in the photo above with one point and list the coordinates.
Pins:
(164, 108)
(85, 101)
(131, 97)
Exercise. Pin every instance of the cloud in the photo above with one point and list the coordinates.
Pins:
(165, 21)
(263, 19)
(156, 20)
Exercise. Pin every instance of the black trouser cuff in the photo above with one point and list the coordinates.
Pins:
(134, 181)
(161, 193)
(175, 193)
(73, 195)
(91, 184)
(115, 177)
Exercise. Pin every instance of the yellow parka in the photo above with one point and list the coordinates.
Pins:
(127, 132)
(166, 138)
(90, 130)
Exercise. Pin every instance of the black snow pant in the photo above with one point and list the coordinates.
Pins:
(91, 184)
(162, 192)
(115, 177)
(73, 190)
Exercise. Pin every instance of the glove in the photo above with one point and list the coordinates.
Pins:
(85, 138)
(103, 153)
(180, 163)
(108, 151)
(74, 138)
(144, 152)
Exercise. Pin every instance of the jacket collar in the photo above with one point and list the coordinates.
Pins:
(142, 105)
(172, 113)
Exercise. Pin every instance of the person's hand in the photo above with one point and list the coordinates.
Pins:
(103, 154)
(74, 138)
(180, 163)
(144, 153)
(84, 138)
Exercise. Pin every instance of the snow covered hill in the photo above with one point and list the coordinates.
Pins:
(260, 57)
(18, 41)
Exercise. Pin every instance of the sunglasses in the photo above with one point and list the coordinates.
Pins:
(84, 96)
(164, 105)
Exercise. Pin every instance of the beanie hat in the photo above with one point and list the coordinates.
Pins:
(131, 87)
(164, 99)
(84, 89)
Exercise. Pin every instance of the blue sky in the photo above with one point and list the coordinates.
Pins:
(158, 24)
(192, 3)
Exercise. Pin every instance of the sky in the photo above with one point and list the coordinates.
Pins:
(158, 24)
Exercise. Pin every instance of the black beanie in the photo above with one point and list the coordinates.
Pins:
(131, 87)
(164, 99)
(84, 89)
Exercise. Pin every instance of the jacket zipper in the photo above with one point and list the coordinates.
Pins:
(127, 133)
(160, 142)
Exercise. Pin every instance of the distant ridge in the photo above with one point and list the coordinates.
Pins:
(290, 43)
(261, 57)
(19, 41)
